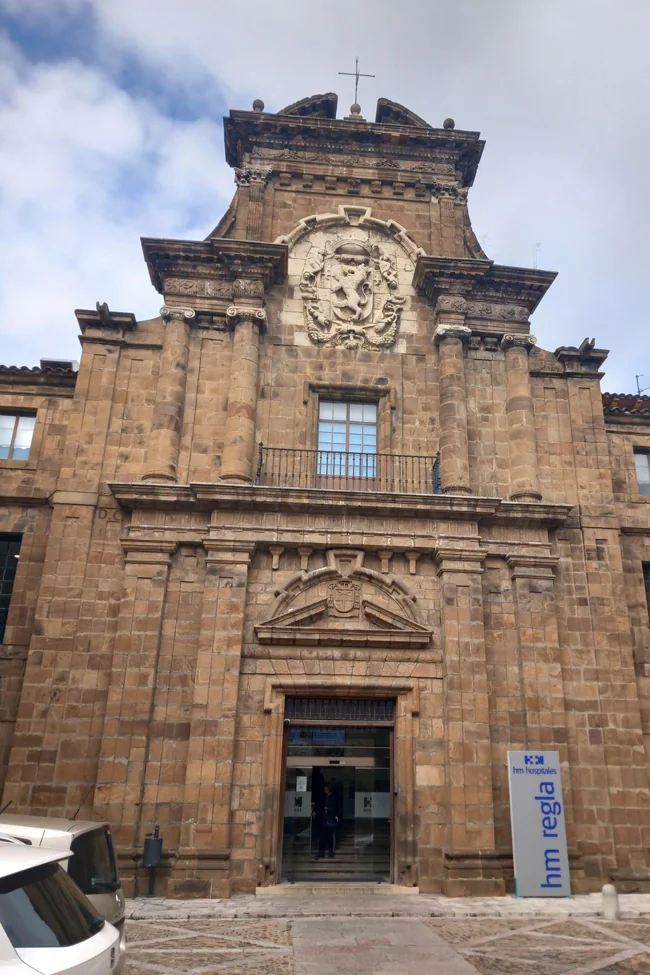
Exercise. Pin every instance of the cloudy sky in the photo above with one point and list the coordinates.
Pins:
(110, 129)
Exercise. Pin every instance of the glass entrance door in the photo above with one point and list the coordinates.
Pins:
(337, 805)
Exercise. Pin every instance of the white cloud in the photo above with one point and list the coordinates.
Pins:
(558, 89)
(72, 146)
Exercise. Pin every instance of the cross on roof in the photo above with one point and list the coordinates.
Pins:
(356, 74)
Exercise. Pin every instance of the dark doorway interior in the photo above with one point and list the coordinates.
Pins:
(354, 764)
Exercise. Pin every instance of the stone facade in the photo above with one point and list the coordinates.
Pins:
(172, 583)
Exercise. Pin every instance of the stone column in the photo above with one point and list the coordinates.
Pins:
(469, 833)
(239, 440)
(454, 458)
(167, 425)
(524, 479)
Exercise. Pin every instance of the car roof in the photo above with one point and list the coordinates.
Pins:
(51, 823)
(14, 859)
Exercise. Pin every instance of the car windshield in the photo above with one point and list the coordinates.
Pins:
(43, 908)
(92, 866)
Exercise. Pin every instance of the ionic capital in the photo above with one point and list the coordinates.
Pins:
(252, 174)
(450, 331)
(240, 313)
(513, 340)
(169, 314)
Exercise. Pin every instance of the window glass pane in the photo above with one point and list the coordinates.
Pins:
(643, 471)
(6, 432)
(370, 412)
(356, 411)
(43, 908)
(325, 410)
(24, 433)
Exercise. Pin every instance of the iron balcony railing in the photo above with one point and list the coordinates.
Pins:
(334, 470)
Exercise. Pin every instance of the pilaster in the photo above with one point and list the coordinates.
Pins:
(125, 742)
(205, 836)
(469, 835)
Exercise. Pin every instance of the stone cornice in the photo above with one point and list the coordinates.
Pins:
(215, 258)
(481, 280)
(207, 497)
(246, 131)
(103, 318)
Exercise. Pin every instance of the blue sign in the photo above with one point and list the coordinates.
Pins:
(538, 825)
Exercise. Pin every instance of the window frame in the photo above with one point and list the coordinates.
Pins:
(18, 414)
(383, 395)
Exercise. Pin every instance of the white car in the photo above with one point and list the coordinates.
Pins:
(47, 924)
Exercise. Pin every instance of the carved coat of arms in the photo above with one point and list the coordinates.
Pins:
(344, 599)
(349, 293)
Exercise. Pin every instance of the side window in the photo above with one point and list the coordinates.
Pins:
(642, 462)
(9, 552)
(16, 432)
(347, 438)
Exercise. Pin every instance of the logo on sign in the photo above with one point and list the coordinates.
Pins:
(533, 759)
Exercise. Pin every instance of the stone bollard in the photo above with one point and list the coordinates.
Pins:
(611, 910)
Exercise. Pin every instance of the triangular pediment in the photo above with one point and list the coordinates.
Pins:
(353, 607)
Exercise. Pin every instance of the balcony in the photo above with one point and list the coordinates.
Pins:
(329, 470)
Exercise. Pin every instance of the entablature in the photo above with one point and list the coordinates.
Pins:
(219, 495)
(228, 268)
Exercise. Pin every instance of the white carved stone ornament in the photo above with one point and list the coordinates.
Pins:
(250, 173)
(240, 313)
(343, 285)
(514, 340)
(452, 331)
(167, 313)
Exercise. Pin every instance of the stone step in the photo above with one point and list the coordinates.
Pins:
(325, 889)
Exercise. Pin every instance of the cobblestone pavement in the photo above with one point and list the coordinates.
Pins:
(381, 935)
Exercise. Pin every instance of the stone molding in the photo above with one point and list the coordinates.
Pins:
(452, 331)
(148, 551)
(455, 304)
(451, 559)
(352, 216)
(513, 340)
(236, 314)
(524, 566)
(178, 314)
(229, 551)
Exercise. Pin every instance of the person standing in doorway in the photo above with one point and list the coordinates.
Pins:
(327, 817)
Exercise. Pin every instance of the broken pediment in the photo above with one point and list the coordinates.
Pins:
(344, 604)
